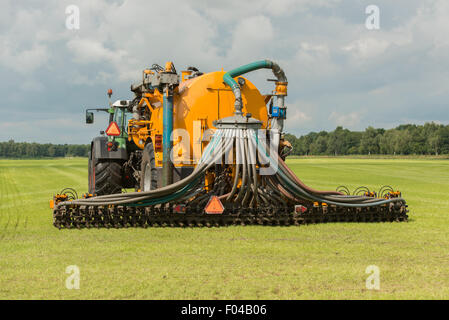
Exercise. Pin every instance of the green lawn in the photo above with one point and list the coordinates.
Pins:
(325, 261)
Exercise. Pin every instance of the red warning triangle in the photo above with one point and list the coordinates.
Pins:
(214, 206)
(113, 129)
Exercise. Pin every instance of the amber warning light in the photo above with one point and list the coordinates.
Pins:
(113, 129)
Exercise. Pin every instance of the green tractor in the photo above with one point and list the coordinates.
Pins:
(114, 162)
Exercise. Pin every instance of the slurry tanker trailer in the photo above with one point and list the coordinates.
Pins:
(205, 149)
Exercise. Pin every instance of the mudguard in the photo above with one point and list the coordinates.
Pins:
(101, 150)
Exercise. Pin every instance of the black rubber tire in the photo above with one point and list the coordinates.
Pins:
(105, 176)
(148, 163)
(108, 177)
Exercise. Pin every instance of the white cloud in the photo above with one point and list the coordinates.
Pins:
(329, 56)
(314, 59)
(251, 38)
(365, 48)
(375, 43)
(24, 61)
(296, 119)
(301, 116)
(21, 51)
(350, 120)
(90, 50)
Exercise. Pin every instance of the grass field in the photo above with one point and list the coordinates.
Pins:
(325, 261)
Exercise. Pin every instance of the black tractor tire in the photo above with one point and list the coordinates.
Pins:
(148, 171)
(105, 176)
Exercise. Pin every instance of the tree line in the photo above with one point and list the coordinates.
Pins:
(427, 139)
(12, 149)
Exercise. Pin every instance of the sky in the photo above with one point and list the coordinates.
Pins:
(340, 72)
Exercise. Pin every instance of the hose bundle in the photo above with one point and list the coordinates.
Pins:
(175, 191)
(251, 186)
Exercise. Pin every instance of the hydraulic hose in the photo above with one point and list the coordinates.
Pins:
(326, 195)
(238, 159)
(203, 165)
(298, 191)
(169, 192)
(299, 182)
(250, 178)
(229, 76)
(244, 170)
(287, 175)
(283, 186)
(260, 194)
(302, 193)
(252, 152)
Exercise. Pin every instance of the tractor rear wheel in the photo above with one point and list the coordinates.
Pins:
(105, 176)
(148, 171)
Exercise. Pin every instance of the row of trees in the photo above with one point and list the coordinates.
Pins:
(12, 149)
(430, 139)
(427, 139)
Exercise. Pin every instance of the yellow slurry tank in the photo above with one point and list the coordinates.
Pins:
(197, 103)
(194, 102)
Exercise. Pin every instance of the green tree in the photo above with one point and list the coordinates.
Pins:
(369, 143)
(319, 146)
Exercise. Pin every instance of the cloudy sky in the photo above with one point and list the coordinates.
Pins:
(339, 71)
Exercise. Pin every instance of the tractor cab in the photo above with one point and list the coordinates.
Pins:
(121, 116)
(118, 113)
